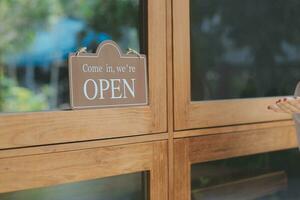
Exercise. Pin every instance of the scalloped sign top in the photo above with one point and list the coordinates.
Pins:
(107, 78)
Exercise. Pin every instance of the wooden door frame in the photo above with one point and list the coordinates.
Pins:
(53, 127)
(191, 150)
(191, 115)
(49, 169)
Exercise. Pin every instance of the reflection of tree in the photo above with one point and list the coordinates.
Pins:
(18, 21)
(21, 18)
(22, 22)
(110, 16)
(105, 14)
(260, 27)
(14, 98)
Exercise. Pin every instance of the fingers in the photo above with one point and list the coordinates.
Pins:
(288, 105)
(275, 108)
(284, 106)
(294, 104)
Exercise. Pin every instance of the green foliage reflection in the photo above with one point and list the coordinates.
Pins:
(37, 35)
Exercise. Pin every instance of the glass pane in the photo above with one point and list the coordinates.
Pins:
(244, 48)
(124, 187)
(36, 37)
(269, 176)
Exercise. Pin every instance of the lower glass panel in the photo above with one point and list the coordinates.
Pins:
(123, 187)
(269, 176)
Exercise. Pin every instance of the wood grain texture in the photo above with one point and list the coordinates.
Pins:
(234, 128)
(232, 112)
(192, 115)
(159, 173)
(170, 100)
(248, 189)
(31, 129)
(66, 167)
(222, 146)
(181, 62)
(182, 170)
(80, 145)
(41, 128)
(157, 64)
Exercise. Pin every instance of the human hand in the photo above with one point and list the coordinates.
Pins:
(288, 105)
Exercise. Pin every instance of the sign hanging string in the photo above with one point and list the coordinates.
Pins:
(132, 51)
(129, 51)
(81, 50)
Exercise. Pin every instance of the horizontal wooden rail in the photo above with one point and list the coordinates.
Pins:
(232, 128)
(228, 145)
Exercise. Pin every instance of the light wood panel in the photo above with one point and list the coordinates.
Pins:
(181, 63)
(235, 128)
(170, 99)
(80, 145)
(222, 146)
(248, 189)
(159, 173)
(66, 167)
(40, 128)
(191, 115)
(231, 112)
(182, 170)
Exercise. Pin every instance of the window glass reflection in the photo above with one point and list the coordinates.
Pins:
(269, 176)
(123, 187)
(36, 37)
(244, 49)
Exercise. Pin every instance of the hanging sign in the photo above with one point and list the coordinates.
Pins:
(107, 78)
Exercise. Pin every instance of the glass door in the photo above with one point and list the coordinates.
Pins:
(232, 59)
(36, 38)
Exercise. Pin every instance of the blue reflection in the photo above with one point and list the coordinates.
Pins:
(55, 44)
